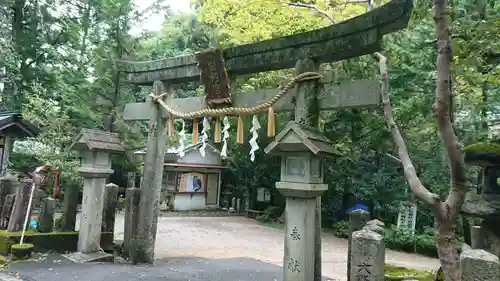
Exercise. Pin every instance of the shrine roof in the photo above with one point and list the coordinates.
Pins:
(14, 119)
(89, 139)
(199, 144)
(296, 137)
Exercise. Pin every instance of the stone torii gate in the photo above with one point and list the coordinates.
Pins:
(352, 38)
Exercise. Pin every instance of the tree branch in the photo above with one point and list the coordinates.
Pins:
(417, 188)
(315, 8)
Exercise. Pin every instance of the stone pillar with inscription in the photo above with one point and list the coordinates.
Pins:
(96, 147)
(367, 256)
(357, 220)
(46, 217)
(302, 149)
(110, 206)
(133, 196)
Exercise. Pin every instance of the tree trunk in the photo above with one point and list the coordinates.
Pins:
(447, 212)
(17, 28)
(445, 238)
(86, 25)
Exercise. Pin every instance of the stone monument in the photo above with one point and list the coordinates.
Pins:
(96, 148)
(357, 220)
(367, 256)
(479, 265)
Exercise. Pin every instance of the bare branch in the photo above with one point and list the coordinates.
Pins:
(315, 8)
(393, 157)
(416, 185)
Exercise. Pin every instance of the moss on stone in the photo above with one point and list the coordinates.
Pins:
(22, 246)
(22, 251)
(482, 154)
(53, 241)
(483, 147)
(396, 273)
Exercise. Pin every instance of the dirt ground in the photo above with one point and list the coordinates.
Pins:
(239, 237)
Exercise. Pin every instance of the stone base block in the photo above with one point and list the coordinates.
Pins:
(89, 257)
(479, 265)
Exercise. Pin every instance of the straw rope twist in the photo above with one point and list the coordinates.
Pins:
(237, 110)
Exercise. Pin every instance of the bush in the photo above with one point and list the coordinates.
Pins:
(401, 239)
(421, 243)
(341, 229)
(270, 214)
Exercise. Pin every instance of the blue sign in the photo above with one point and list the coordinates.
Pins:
(358, 207)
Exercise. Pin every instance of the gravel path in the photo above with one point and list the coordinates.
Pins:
(239, 237)
(205, 249)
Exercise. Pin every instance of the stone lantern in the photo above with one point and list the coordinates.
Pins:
(96, 148)
(485, 205)
(302, 150)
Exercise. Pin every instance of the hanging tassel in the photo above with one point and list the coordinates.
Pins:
(254, 146)
(182, 140)
(271, 123)
(217, 130)
(171, 126)
(239, 131)
(195, 131)
(204, 136)
(225, 132)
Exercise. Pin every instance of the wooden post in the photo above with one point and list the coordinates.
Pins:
(143, 249)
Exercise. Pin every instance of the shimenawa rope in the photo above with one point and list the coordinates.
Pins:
(237, 110)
